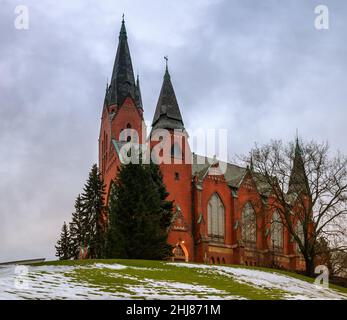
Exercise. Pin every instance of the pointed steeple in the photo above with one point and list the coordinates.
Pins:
(298, 181)
(167, 114)
(123, 32)
(251, 165)
(122, 82)
(106, 95)
(138, 96)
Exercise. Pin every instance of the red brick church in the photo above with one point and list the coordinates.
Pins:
(216, 218)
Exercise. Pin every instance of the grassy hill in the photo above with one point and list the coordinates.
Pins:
(141, 279)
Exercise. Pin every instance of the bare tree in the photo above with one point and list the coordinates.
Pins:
(338, 263)
(307, 188)
(333, 254)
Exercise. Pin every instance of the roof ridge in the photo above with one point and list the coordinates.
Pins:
(229, 163)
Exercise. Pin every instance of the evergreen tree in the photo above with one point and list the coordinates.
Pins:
(115, 241)
(63, 245)
(166, 206)
(138, 215)
(78, 227)
(93, 207)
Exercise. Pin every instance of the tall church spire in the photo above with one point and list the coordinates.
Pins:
(138, 93)
(167, 114)
(298, 181)
(122, 82)
(251, 164)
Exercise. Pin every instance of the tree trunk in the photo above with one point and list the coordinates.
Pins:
(309, 271)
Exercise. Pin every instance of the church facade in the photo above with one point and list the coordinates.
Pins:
(220, 217)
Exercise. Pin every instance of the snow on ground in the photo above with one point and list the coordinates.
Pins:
(114, 266)
(295, 288)
(57, 282)
(54, 282)
(48, 282)
(177, 290)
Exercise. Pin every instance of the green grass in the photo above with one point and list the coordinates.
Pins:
(139, 271)
(161, 271)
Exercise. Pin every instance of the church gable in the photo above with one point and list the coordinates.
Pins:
(178, 221)
(248, 184)
(203, 166)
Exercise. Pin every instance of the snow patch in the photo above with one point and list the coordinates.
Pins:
(49, 282)
(152, 289)
(114, 266)
(294, 288)
(58, 282)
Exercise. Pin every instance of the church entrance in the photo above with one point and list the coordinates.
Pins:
(180, 253)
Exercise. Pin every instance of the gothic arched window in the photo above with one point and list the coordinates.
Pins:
(216, 219)
(276, 231)
(249, 225)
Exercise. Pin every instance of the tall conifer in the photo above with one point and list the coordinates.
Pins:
(166, 206)
(138, 215)
(63, 249)
(78, 228)
(93, 207)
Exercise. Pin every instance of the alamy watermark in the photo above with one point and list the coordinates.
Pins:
(322, 280)
(21, 21)
(321, 21)
(172, 147)
(21, 279)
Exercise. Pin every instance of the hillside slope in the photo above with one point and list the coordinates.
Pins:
(140, 279)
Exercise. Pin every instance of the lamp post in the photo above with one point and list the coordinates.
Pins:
(273, 252)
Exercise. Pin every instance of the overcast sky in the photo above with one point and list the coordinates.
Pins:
(258, 68)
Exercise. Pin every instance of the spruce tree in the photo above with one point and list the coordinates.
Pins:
(138, 215)
(93, 207)
(115, 241)
(78, 228)
(166, 206)
(63, 245)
